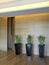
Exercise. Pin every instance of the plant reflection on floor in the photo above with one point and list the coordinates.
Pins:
(41, 61)
(29, 59)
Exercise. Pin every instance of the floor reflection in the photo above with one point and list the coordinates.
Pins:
(29, 60)
(41, 61)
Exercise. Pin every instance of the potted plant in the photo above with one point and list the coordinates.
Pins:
(17, 45)
(29, 46)
(41, 46)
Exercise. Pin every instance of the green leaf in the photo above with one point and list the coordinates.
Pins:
(41, 39)
(17, 39)
(29, 39)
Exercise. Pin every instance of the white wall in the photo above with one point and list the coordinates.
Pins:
(3, 34)
(33, 25)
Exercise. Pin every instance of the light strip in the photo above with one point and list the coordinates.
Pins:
(25, 7)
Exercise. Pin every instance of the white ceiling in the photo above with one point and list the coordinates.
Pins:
(5, 1)
(12, 3)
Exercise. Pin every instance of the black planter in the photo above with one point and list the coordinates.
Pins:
(18, 49)
(29, 49)
(41, 51)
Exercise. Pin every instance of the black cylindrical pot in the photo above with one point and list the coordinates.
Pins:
(29, 49)
(18, 49)
(41, 51)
